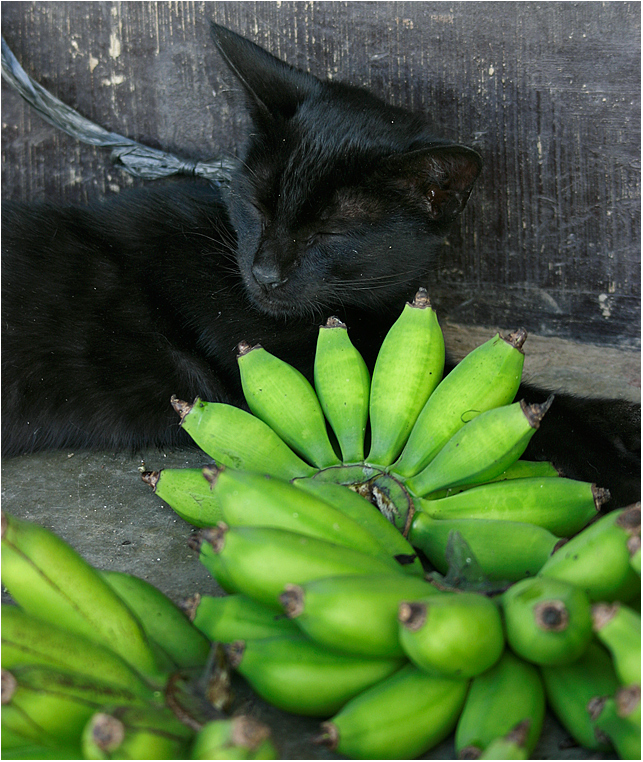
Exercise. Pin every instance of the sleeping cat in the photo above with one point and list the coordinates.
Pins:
(338, 208)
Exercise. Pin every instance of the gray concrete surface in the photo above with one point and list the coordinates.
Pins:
(98, 503)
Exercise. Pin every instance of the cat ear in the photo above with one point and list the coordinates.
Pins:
(439, 178)
(274, 88)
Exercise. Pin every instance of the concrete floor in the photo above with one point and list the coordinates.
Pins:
(98, 503)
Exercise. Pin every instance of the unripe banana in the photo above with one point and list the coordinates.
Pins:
(354, 614)
(618, 627)
(281, 396)
(136, 733)
(361, 510)
(238, 439)
(408, 367)
(342, 382)
(482, 449)
(508, 693)
(547, 621)
(504, 550)
(510, 746)
(239, 737)
(236, 617)
(613, 718)
(296, 675)
(50, 580)
(261, 561)
(399, 718)
(187, 493)
(249, 499)
(164, 622)
(562, 506)
(570, 688)
(598, 560)
(452, 634)
(521, 469)
(488, 377)
(43, 704)
(27, 640)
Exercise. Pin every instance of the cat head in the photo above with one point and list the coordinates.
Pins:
(341, 200)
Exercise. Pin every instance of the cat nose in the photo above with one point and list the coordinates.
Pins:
(267, 275)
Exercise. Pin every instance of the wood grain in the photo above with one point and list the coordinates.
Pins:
(549, 93)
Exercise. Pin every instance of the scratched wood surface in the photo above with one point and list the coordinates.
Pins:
(549, 93)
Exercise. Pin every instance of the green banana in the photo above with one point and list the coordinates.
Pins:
(281, 396)
(488, 377)
(562, 506)
(235, 617)
(47, 706)
(187, 493)
(250, 499)
(408, 367)
(261, 561)
(570, 687)
(482, 449)
(510, 746)
(27, 640)
(136, 733)
(548, 621)
(164, 622)
(505, 550)
(620, 721)
(508, 693)
(50, 580)
(618, 627)
(355, 614)
(452, 634)
(296, 675)
(361, 510)
(342, 383)
(598, 560)
(401, 717)
(521, 469)
(239, 737)
(238, 439)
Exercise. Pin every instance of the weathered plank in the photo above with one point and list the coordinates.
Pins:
(549, 93)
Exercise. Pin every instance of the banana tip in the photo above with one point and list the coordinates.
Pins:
(292, 599)
(628, 698)
(334, 322)
(211, 474)
(602, 614)
(517, 338)
(412, 615)
(551, 616)
(234, 652)
(190, 605)
(107, 732)
(9, 685)
(328, 737)
(421, 299)
(151, 478)
(243, 348)
(470, 752)
(180, 406)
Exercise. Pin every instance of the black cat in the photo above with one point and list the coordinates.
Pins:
(338, 208)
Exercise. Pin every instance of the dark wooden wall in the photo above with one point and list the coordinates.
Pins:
(548, 92)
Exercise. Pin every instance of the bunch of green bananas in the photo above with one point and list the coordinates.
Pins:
(88, 657)
(281, 532)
